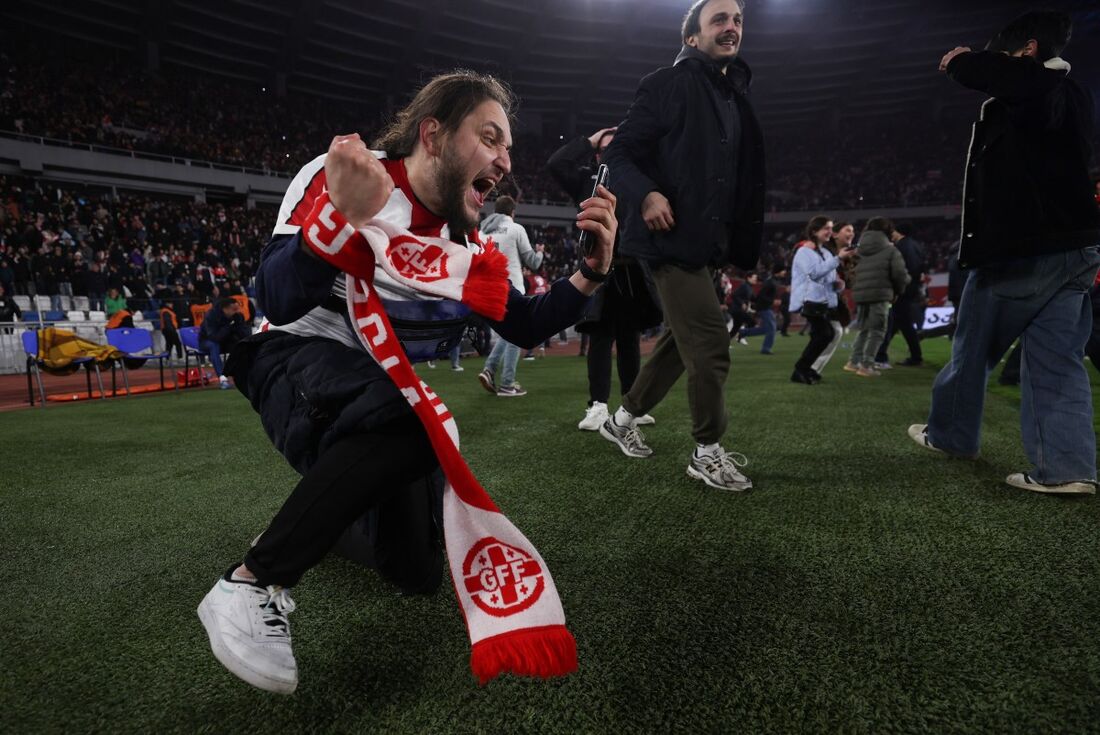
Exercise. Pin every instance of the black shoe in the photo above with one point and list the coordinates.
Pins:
(800, 377)
(815, 376)
(911, 362)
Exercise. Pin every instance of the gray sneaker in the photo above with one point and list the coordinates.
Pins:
(720, 469)
(630, 440)
(511, 391)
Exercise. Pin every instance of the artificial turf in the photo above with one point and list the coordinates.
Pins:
(865, 585)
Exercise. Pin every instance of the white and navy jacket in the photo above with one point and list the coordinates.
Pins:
(303, 295)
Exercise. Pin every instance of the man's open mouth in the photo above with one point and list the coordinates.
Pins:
(728, 41)
(481, 188)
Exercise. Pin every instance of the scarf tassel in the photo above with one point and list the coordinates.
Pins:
(482, 290)
(541, 652)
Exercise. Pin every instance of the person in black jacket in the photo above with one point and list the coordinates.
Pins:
(624, 307)
(222, 327)
(740, 308)
(763, 304)
(1030, 232)
(905, 314)
(688, 163)
(9, 310)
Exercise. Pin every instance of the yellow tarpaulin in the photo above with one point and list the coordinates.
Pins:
(57, 348)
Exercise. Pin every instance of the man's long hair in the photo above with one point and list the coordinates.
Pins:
(448, 98)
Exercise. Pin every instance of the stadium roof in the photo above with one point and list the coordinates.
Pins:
(575, 63)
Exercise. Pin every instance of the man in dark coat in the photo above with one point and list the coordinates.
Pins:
(1030, 227)
(624, 308)
(906, 311)
(688, 162)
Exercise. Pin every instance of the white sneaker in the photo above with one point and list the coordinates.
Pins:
(630, 440)
(457, 368)
(919, 434)
(249, 633)
(1023, 481)
(720, 469)
(644, 420)
(594, 415)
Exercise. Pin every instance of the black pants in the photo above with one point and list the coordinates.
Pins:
(360, 473)
(624, 334)
(903, 319)
(821, 334)
(740, 319)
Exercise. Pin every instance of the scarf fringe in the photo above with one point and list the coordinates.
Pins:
(543, 652)
(483, 290)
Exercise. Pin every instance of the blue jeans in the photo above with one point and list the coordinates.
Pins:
(505, 355)
(456, 354)
(766, 328)
(1044, 302)
(215, 352)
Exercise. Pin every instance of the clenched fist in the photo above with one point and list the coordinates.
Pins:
(358, 183)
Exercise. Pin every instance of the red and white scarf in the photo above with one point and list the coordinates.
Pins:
(512, 610)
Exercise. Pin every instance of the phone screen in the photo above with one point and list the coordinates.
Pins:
(586, 242)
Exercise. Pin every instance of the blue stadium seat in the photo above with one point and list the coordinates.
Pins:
(34, 364)
(136, 346)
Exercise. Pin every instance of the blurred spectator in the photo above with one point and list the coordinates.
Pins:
(9, 310)
(221, 329)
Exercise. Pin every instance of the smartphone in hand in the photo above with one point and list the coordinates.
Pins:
(586, 241)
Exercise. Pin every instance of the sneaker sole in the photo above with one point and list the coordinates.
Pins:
(622, 447)
(234, 665)
(506, 394)
(1069, 488)
(486, 383)
(738, 487)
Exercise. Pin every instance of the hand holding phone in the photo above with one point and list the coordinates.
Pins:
(586, 241)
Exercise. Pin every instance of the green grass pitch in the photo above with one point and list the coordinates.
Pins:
(864, 586)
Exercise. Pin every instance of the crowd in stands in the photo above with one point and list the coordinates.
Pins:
(77, 241)
(904, 164)
(169, 113)
(72, 241)
(227, 121)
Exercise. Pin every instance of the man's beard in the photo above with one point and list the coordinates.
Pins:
(453, 186)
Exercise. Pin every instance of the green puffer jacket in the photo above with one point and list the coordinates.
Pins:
(880, 273)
